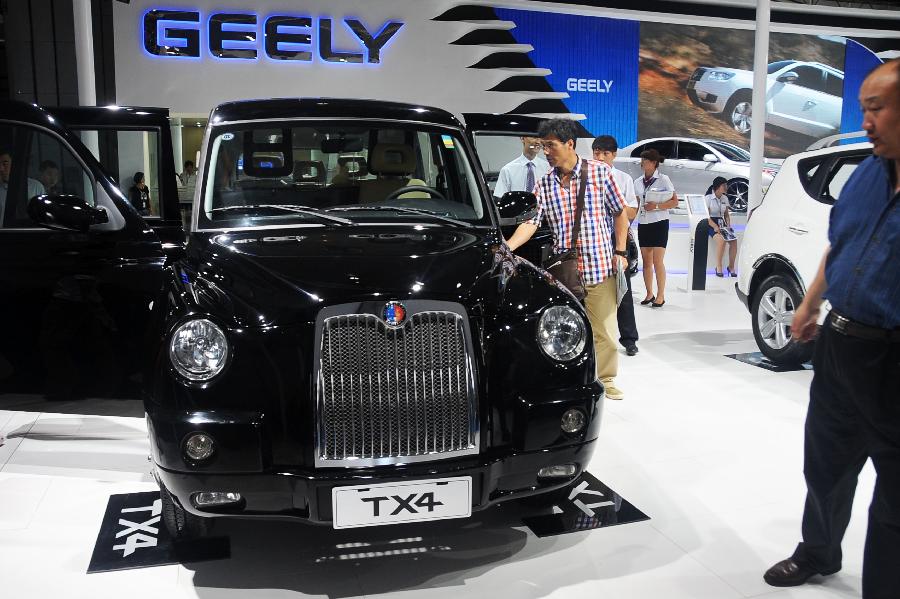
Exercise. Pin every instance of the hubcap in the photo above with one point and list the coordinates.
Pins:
(737, 196)
(774, 317)
(740, 116)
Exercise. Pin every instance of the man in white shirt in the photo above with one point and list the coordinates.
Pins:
(34, 187)
(605, 149)
(522, 173)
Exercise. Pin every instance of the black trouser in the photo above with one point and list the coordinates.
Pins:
(628, 333)
(854, 414)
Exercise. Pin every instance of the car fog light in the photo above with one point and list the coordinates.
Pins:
(572, 421)
(199, 447)
(215, 498)
(558, 471)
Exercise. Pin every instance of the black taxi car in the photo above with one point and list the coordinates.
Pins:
(346, 338)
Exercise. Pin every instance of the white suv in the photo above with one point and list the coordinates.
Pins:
(804, 97)
(784, 241)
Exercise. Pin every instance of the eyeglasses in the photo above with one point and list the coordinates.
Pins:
(548, 145)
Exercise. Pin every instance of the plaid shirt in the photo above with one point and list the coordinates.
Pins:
(602, 201)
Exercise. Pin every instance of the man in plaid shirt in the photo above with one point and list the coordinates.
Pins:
(557, 194)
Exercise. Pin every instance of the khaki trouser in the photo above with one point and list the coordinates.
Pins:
(601, 308)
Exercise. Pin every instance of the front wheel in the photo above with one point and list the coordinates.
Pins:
(738, 192)
(181, 524)
(773, 312)
(739, 112)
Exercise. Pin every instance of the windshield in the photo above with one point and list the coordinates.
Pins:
(777, 66)
(281, 174)
(731, 152)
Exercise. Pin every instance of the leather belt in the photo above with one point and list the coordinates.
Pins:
(851, 328)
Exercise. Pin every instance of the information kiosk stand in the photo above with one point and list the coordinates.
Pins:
(698, 228)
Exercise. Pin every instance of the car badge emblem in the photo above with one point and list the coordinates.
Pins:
(394, 314)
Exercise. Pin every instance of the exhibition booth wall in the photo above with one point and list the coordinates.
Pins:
(627, 77)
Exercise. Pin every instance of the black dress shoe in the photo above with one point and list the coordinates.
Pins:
(631, 350)
(648, 301)
(791, 573)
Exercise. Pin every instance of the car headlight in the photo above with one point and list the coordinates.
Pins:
(720, 76)
(198, 349)
(561, 333)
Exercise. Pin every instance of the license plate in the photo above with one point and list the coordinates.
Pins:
(401, 502)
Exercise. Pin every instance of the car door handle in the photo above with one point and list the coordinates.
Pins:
(797, 230)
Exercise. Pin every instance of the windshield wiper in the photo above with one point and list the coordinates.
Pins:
(404, 210)
(288, 208)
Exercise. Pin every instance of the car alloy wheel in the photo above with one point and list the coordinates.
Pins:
(740, 116)
(737, 193)
(773, 313)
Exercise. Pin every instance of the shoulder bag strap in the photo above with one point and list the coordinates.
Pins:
(579, 207)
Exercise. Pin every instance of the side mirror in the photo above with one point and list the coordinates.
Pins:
(516, 205)
(710, 158)
(789, 77)
(65, 212)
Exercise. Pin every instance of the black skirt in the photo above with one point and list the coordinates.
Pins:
(654, 235)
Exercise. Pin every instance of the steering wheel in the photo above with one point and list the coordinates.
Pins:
(409, 188)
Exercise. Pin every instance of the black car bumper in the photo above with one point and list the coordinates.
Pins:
(306, 495)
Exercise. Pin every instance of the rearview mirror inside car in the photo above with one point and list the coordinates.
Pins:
(65, 212)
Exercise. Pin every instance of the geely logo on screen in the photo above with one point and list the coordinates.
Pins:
(177, 34)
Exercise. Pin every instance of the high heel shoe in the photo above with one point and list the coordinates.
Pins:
(648, 301)
(731, 273)
(719, 273)
(659, 305)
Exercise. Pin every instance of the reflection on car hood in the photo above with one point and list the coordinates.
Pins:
(284, 276)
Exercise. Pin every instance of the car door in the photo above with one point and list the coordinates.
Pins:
(692, 174)
(799, 105)
(75, 305)
(127, 140)
(497, 141)
(806, 221)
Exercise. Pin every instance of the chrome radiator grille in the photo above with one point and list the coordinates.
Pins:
(389, 396)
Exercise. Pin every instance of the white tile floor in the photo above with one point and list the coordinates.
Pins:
(709, 448)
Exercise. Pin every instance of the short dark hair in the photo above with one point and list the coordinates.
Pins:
(5, 151)
(47, 164)
(653, 156)
(188, 163)
(605, 143)
(138, 176)
(561, 129)
(719, 181)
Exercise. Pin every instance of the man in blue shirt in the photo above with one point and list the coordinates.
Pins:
(854, 407)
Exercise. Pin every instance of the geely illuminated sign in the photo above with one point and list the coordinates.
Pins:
(177, 34)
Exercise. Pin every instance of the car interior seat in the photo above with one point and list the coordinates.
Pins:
(393, 165)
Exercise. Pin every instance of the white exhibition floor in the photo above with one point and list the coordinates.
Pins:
(708, 447)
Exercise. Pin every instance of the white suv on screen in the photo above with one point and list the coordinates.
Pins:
(784, 241)
(804, 97)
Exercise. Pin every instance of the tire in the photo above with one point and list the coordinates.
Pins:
(738, 112)
(692, 95)
(738, 194)
(772, 307)
(181, 524)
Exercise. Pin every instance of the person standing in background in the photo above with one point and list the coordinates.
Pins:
(522, 173)
(139, 194)
(605, 149)
(653, 224)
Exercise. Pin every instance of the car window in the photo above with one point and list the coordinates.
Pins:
(320, 171)
(810, 77)
(834, 85)
(691, 151)
(731, 152)
(124, 155)
(666, 148)
(777, 66)
(35, 162)
(840, 172)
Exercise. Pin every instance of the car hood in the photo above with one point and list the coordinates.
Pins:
(285, 276)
